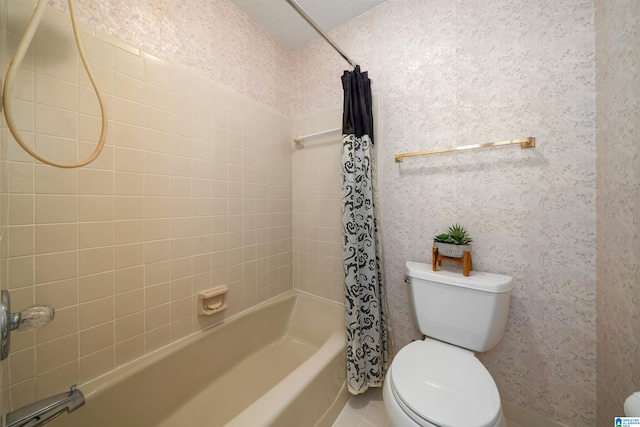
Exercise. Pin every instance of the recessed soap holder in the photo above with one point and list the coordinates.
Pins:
(212, 301)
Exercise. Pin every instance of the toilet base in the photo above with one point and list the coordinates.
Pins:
(399, 418)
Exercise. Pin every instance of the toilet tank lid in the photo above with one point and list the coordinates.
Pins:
(478, 280)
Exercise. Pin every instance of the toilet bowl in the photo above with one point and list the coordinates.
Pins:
(434, 384)
(439, 382)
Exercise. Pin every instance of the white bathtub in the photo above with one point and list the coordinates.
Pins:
(279, 364)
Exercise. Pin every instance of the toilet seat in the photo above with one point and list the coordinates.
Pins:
(440, 384)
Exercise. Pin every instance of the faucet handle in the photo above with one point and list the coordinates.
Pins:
(29, 318)
(32, 317)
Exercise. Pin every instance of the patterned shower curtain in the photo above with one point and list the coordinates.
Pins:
(365, 308)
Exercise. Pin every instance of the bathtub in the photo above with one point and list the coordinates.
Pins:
(281, 363)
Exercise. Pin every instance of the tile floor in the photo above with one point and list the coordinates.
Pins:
(367, 410)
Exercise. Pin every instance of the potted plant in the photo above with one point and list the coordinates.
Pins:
(454, 243)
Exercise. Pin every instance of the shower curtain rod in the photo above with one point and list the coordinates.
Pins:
(299, 140)
(324, 35)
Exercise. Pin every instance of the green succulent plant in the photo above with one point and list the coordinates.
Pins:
(456, 235)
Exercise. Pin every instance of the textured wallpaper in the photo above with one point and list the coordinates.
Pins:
(454, 73)
(618, 165)
(213, 38)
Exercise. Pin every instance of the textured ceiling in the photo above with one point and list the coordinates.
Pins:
(279, 19)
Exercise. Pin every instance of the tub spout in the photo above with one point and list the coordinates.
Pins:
(43, 411)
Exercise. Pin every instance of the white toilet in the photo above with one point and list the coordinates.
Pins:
(438, 382)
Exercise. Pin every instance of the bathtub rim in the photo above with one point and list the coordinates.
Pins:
(121, 373)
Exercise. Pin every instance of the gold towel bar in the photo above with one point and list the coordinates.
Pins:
(524, 143)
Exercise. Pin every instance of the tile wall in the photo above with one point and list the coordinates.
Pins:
(317, 212)
(318, 265)
(192, 190)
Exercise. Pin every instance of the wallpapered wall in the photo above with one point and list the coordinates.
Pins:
(618, 166)
(454, 73)
(211, 37)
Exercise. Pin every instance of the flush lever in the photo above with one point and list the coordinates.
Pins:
(32, 317)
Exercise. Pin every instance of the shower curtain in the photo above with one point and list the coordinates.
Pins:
(365, 308)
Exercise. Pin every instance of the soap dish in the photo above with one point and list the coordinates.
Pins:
(212, 301)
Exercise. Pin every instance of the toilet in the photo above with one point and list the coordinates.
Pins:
(439, 382)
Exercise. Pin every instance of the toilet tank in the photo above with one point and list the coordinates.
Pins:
(469, 312)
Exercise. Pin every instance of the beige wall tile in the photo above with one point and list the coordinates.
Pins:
(48, 383)
(129, 88)
(96, 364)
(20, 177)
(181, 288)
(53, 63)
(89, 134)
(180, 248)
(156, 317)
(94, 234)
(181, 328)
(157, 185)
(55, 121)
(156, 295)
(157, 207)
(130, 350)
(65, 323)
(158, 141)
(129, 64)
(129, 303)
(129, 327)
(58, 294)
(55, 92)
(128, 184)
(56, 266)
(95, 182)
(129, 112)
(128, 136)
(90, 117)
(129, 231)
(157, 251)
(21, 209)
(54, 208)
(22, 365)
(20, 241)
(157, 163)
(128, 255)
(95, 260)
(97, 312)
(180, 166)
(95, 208)
(157, 229)
(56, 353)
(61, 148)
(97, 338)
(159, 272)
(96, 286)
(129, 279)
(128, 207)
